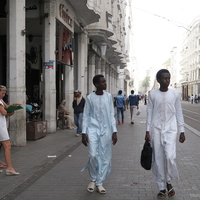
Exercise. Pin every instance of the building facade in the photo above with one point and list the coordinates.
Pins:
(49, 48)
(191, 61)
(173, 65)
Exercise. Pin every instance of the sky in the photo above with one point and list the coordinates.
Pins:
(156, 31)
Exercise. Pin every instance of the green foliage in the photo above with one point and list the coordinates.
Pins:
(146, 82)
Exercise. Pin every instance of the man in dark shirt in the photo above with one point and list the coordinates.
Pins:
(78, 106)
(133, 101)
(120, 102)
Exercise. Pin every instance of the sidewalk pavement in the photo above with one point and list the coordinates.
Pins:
(32, 160)
(59, 178)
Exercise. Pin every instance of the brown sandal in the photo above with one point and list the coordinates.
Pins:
(171, 193)
(161, 194)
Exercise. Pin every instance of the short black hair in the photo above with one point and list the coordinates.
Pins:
(120, 92)
(132, 91)
(97, 78)
(160, 72)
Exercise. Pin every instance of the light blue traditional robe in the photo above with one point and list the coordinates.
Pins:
(99, 124)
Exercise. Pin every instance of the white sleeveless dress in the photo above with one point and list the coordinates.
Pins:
(3, 127)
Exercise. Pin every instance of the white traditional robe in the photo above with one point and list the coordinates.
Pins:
(99, 124)
(164, 116)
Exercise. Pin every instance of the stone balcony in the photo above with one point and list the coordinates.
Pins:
(87, 13)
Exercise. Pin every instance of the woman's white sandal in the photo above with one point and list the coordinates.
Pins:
(91, 187)
(101, 189)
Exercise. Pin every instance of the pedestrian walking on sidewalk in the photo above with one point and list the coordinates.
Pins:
(145, 99)
(99, 133)
(164, 115)
(192, 98)
(4, 137)
(78, 106)
(133, 102)
(121, 106)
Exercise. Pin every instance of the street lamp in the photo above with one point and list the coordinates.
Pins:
(103, 49)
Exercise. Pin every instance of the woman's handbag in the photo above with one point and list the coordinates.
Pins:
(146, 156)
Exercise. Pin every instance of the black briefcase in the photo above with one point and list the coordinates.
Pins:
(146, 156)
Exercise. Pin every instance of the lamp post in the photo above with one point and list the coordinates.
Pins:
(103, 49)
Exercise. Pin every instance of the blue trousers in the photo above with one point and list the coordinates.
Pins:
(78, 121)
(120, 110)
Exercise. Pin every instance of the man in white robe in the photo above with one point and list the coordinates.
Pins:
(99, 132)
(164, 116)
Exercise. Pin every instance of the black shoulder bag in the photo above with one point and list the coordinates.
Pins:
(146, 156)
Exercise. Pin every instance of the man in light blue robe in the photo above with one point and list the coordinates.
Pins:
(99, 133)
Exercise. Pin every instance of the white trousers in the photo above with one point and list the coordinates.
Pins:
(164, 154)
(132, 112)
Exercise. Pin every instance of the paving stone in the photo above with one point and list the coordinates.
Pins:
(42, 178)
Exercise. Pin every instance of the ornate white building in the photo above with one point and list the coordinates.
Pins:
(191, 60)
(49, 48)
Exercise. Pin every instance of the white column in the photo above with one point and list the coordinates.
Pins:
(91, 72)
(49, 42)
(69, 87)
(16, 69)
(110, 79)
(112, 82)
(98, 65)
(115, 82)
(82, 63)
(107, 77)
(103, 63)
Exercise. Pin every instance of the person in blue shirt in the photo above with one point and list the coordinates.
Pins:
(120, 102)
(133, 102)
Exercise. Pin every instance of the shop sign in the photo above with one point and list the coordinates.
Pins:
(64, 15)
(65, 46)
(49, 65)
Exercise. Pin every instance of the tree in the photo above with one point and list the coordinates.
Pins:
(146, 82)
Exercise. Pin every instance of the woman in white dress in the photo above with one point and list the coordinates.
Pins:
(4, 137)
